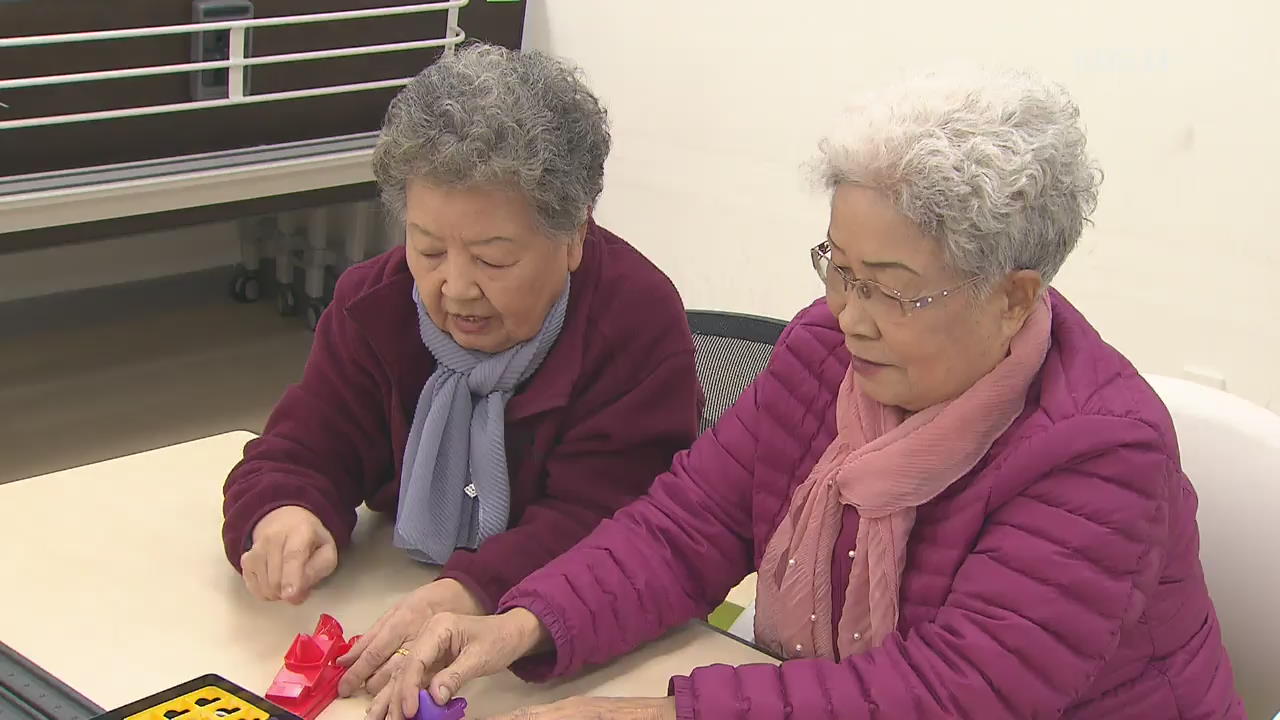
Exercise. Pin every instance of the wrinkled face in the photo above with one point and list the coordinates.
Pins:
(486, 272)
(923, 356)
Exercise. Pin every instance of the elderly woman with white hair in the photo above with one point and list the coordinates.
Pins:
(960, 500)
(509, 376)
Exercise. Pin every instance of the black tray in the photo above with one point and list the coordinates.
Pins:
(28, 692)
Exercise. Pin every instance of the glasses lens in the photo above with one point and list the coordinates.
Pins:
(821, 265)
(890, 305)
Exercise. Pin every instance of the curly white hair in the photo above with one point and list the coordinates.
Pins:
(990, 163)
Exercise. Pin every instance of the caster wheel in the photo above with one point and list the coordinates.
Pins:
(314, 310)
(245, 287)
(287, 302)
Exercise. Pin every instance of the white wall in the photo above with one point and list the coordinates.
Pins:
(717, 103)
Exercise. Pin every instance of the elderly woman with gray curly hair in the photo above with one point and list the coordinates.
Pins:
(962, 503)
(504, 380)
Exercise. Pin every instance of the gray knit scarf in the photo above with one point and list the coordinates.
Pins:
(454, 490)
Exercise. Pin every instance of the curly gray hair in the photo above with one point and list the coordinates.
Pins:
(991, 164)
(489, 116)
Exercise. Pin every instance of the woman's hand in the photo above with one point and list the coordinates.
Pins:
(374, 658)
(453, 650)
(292, 551)
(590, 708)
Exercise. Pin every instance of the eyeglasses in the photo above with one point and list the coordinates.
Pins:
(880, 299)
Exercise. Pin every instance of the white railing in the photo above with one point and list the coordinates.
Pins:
(235, 64)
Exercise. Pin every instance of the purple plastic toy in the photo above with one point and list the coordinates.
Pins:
(455, 709)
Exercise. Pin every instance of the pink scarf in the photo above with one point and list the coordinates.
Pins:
(885, 467)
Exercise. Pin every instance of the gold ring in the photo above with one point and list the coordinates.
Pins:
(403, 651)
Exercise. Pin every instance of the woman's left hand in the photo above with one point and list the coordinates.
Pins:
(592, 708)
(374, 658)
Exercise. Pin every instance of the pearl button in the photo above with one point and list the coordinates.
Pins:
(813, 618)
(857, 636)
(853, 554)
(792, 561)
(799, 648)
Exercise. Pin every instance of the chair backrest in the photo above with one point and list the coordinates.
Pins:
(1231, 451)
(732, 349)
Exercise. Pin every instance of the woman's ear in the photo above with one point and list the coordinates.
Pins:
(575, 247)
(1021, 291)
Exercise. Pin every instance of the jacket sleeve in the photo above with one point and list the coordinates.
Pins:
(662, 561)
(1033, 614)
(619, 436)
(325, 440)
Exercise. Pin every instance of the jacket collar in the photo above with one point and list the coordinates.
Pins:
(389, 321)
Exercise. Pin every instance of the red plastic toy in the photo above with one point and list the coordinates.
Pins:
(308, 682)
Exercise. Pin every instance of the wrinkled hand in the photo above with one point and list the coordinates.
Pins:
(590, 708)
(453, 650)
(373, 659)
(292, 551)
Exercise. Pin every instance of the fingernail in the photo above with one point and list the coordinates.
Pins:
(289, 590)
(444, 694)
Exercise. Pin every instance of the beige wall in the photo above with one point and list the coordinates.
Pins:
(716, 104)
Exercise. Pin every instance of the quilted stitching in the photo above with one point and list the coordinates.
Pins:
(1059, 579)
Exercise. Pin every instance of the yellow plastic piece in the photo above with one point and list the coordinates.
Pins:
(209, 703)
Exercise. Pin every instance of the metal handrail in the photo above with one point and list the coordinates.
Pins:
(339, 15)
(235, 64)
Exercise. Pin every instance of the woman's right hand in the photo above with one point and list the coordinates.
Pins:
(452, 650)
(292, 551)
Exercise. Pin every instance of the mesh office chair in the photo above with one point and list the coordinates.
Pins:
(731, 349)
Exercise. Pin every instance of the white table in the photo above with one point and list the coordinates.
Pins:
(112, 578)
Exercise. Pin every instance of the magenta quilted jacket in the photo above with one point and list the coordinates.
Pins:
(1058, 579)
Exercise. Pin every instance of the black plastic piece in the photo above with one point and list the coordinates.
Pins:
(29, 692)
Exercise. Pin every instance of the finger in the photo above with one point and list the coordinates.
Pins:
(374, 656)
(270, 576)
(394, 711)
(378, 708)
(384, 674)
(295, 551)
(413, 675)
(432, 648)
(469, 665)
(396, 665)
(254, 584)
(320, 565)
(251, 568)
(358, 649)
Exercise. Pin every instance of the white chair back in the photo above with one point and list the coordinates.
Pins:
(1231, 451)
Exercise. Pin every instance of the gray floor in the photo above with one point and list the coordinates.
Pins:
(105, 373)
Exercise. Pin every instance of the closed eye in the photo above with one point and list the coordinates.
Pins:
(495, 266)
